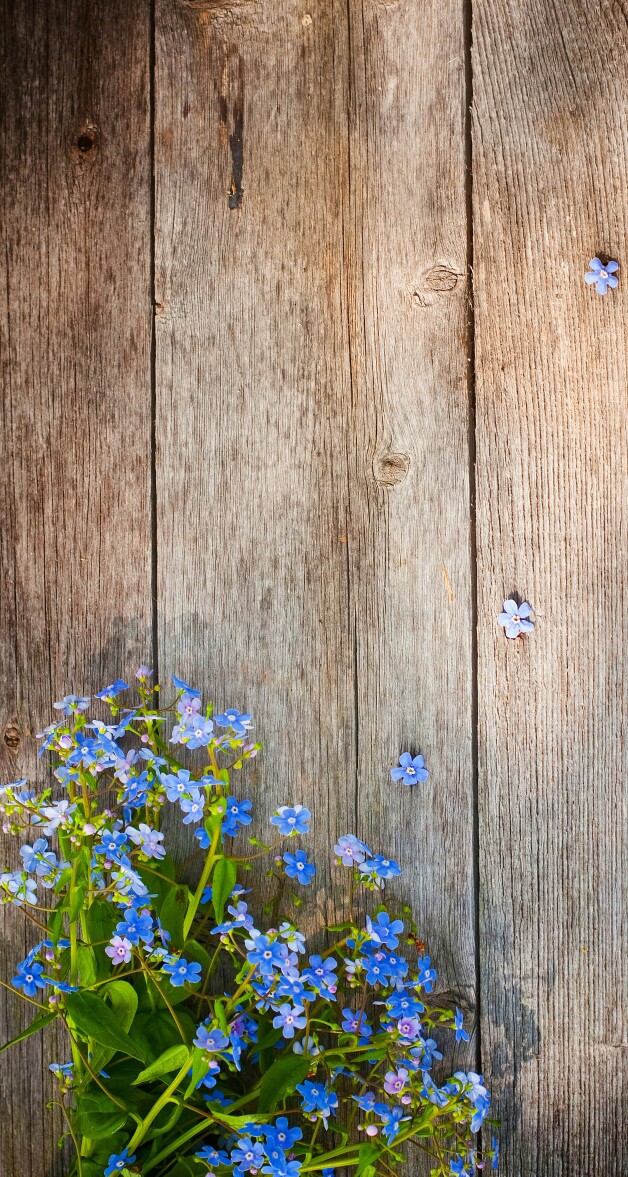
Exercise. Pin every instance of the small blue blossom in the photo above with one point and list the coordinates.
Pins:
(516, 618)
(290, 1018)
(236, 815)
(351, 850)
(426, 975)
(459, 1168)
(212, 1040)
(69, 704)
(136, 926)
(409, 770)
(280, 1133)
(356, 1023)
(602, 275)
(316, 1097)
(297, 867)
(321, 975)
(118, 1161)
(383, 930)
(180, 685)
(193, 808)
(391, 1119)
(111, 692)
(29, 978)
(180, 972)
(461, 1033)
(379, 868)
(143, 673)
(291, 820)
(213, 1156)
(495, 1148)
(236, 720)
(247, 1155)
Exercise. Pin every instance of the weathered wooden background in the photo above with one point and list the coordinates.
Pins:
(301, 379)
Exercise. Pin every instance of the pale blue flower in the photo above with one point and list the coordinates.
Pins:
(602, 276)
(516, 618)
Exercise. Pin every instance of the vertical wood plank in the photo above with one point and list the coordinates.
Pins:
(312, 416)
(550, 166)
(75, 326)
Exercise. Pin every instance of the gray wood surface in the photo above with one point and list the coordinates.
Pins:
(312, 419)
(316, 431)
(550, 166)
(75, 323)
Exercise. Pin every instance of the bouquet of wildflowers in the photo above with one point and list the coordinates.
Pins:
(200, 1043)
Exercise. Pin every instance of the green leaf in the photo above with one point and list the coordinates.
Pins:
(86, 966)
(99, 1127)
(280, 1079)
(171, 1060)
(98, 922)
(37, 1023)
(220, 1016)
(195, 951)
(200, 1067)
(123, 1000)
(367, 1153)
(93, 1018)
(223, 881)
(173, 912)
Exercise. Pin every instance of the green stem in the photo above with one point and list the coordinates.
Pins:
(197, 896)
(141, 1131)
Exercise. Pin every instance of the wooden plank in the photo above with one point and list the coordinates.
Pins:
(312, 424)
(550, 189)
(75, 324)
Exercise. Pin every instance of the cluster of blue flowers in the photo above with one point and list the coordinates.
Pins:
(352, 1026)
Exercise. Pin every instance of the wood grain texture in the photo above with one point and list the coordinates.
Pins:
(550, 189)
(75, 324)
(312, 416)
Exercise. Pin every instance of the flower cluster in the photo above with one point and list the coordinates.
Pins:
(198, 1032)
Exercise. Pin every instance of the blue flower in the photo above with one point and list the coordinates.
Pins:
(118, 1161)
(264, 953)
(180, 685)
(495, 1148)
(213, 1156)
(193, 808)
(351, 850)
(236, 720)
(402, 1005)
(459, 1168)
(111, 692)
(236, 815)
(72, 703)
(356, 1023)
(426, 975)
(247, 1155)
(379, 867)
(461, 1033)
(391, 1119)
(603, 276)
(290, 1018)
(180, 971)
(298, 867)
(291, 820)
(280, 1133)
(136, 926)
(211, 1040)
(29, 978)
(318, 1098)
(383, 931)
(515, 618)
(321, 975)
(409, 771)
(179, 785)
(196, 735)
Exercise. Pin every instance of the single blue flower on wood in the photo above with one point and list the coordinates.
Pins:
(297, 867)
(602, 276)
(516, 618)
(409, 770)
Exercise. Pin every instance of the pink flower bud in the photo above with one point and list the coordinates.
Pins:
(372, 1129)
(88, 828)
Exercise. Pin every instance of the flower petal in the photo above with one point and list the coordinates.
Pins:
(512, 630)
(590, 278)
(527, 626)
(504, 619)
(510, 607)
(595, 263)
(613, 281)
(525, 610)
(612, 267)
(601, 285)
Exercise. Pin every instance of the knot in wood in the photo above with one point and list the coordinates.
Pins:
(12, 737)
(391, 469)
(434, 282)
